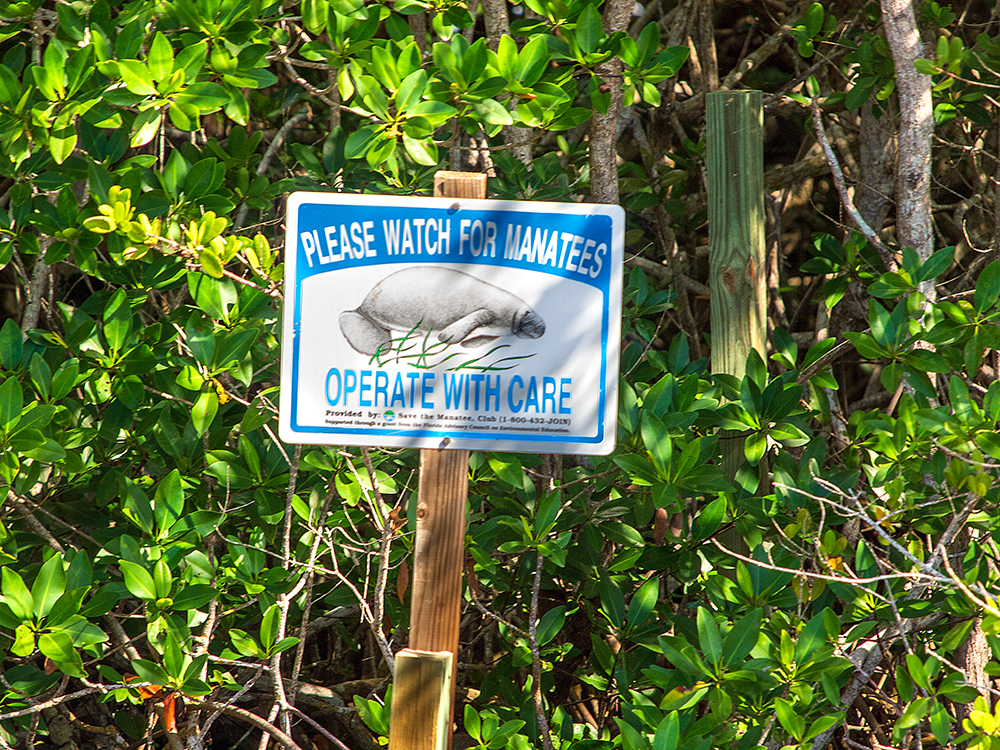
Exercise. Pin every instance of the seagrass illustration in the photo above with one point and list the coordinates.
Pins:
(415, 315)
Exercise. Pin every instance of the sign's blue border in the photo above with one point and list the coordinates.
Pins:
(312, 212)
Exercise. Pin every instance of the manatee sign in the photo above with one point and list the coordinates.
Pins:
(444, 322)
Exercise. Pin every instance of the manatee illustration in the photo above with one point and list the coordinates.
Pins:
(458, 308)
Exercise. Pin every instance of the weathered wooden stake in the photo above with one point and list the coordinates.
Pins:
(422, 687)
(736, 248)
(438, 557)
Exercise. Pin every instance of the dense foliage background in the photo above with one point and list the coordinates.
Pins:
(175, 576)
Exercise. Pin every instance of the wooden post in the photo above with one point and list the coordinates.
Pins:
(736, 247)
(422, 686)
(439, 549)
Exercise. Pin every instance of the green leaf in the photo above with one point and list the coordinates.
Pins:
(204, 411)
(137, 507)
(24, 641)
(214, 297)
(710, 518)
(937, 264)
(359, 141)
(741, 638)
(49, 585)
(173, 657)
(866, 345)
(630, 737)
(16, 595)
(423, 151)
(643, 602)
(284, 644)
(859, 93)
(755, 447)
(987, 287)
(269, 626)
(66, 606)
(668, 732)
(589, 29)
(709, 639)
(168, 504)
(163, 580)
(11, 346)
(914, 713)
(210, 262)
(62, 141)
(204, 97)
(646, 43)
(814, 20)
(550, 624)
(813, 636)
(384, 65)
(506, 60)
(690, 664)
(58, 646)
(657, 440)
(190, 378)
(117, 320)
(51, 77)
(794, 724)
(149, 671)
(940, 721)
(10, 86)
(161, 57)
(822, 723)
(145, 127)
(138, 581)
(916, 669)
(314, 15)
(472, 722)
(925, 360)
(532, 61)
(411, 90)
(244, 643)
(11, 403)
(136, 77)
(612, 600)
(492, 112)
(194, 597)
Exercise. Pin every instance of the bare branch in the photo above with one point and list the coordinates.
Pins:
(849, 207)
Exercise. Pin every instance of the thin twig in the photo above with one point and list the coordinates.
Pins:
(36, 290)
(34, 524)
(809, 574)
(825, 361)
(536, 660)
(250, 717)
(219, 711)
(309, 720)
(385, 546)
(310, 575)
(926, 569)
(838, 178)
(366, 611)
(69, 697)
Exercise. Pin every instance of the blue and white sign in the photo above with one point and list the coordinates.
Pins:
(444, 322)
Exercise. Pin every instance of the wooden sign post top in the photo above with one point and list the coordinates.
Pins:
(459, 184)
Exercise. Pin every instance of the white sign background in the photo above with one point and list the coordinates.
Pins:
(556, 393)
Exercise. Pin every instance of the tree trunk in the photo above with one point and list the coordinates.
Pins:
(916, 128)
(604, 128)
(498, 25)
